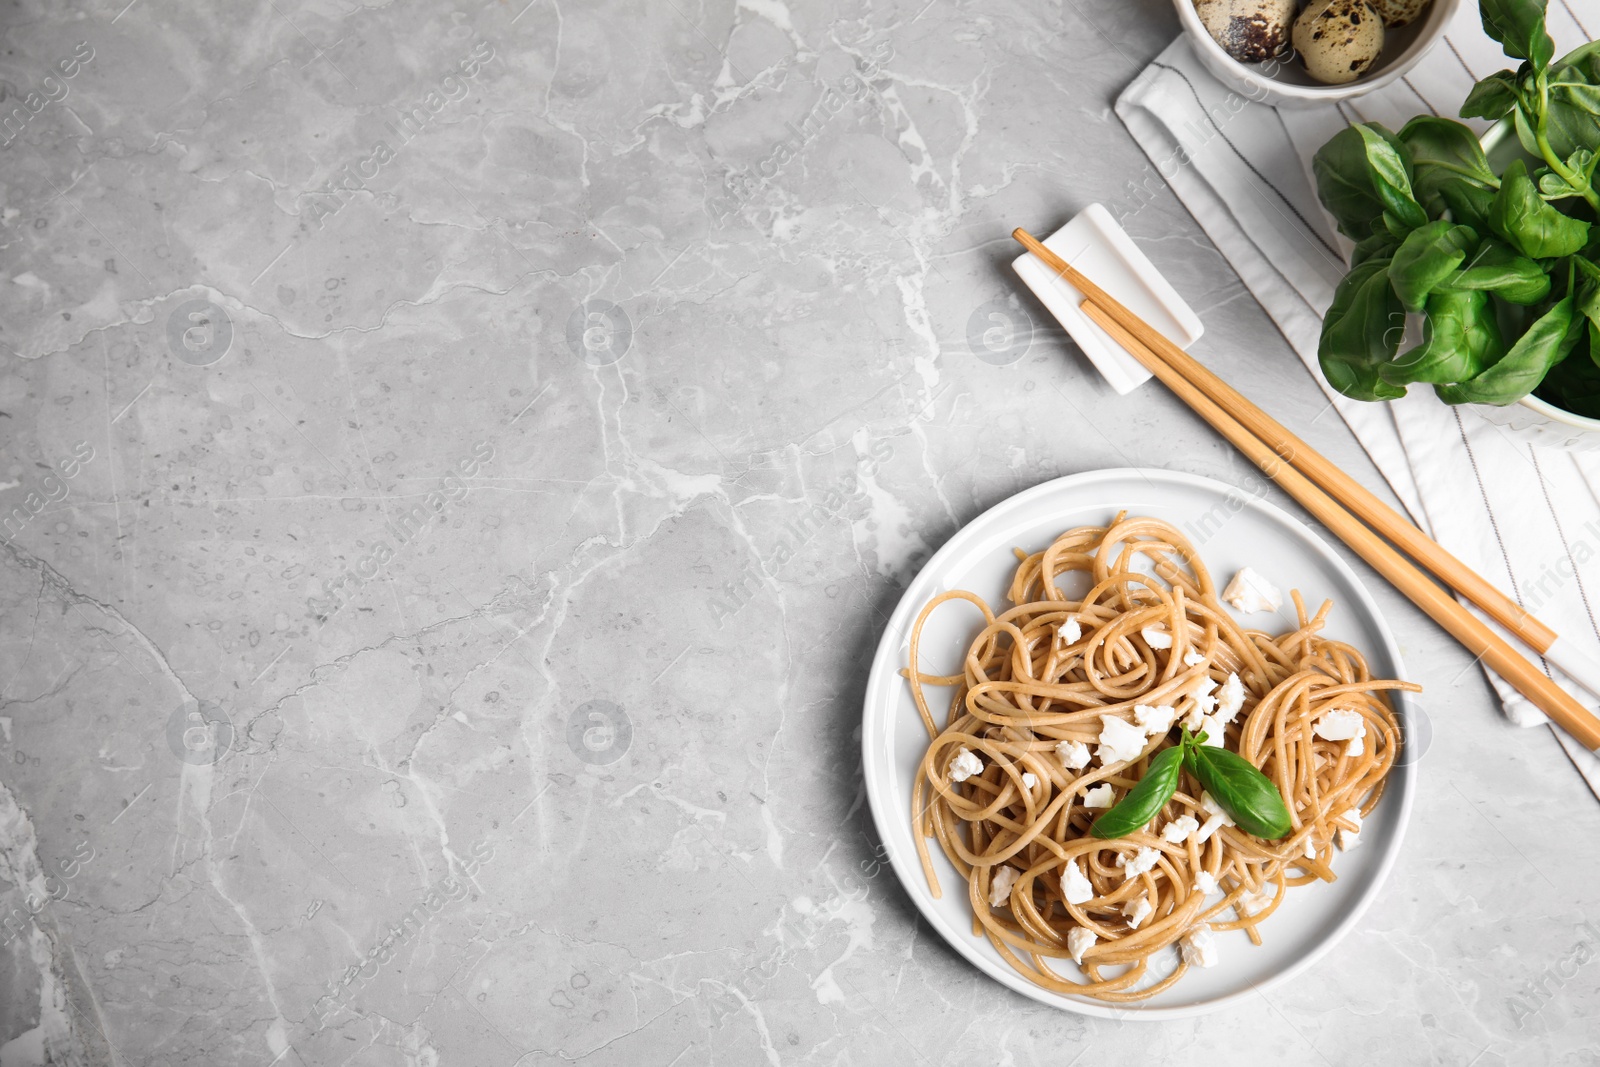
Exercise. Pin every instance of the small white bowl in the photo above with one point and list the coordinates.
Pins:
(1284, 82)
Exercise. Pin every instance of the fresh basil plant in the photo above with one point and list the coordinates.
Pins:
(1503, 266)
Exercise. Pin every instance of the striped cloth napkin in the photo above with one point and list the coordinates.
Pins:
(1525, 517)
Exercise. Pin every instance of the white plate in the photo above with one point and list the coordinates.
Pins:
(1229, 531)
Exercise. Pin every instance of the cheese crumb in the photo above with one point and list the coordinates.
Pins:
(1231, 699)
(1075, 888)
(1205, 883)
(1341, 725)
(1349, 839)
(1214, 729)
(1156, 637)
(1000, 887)
(1217, 819)
(1074, 755)
(1192, 658)
(1080, 941)
(1120, 740)
(1258, 901)
(965, 765)
(1137, 911)
(1070, 632)
(1311, 847)
(1199, 947)
(1179, 829)
(1154, 720)
(1101, 796)
(1030, 781)
(1249, 592)
(1144, 861)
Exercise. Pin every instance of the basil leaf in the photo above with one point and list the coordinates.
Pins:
(1582, 163)
(1379, 245)
(1442, 149)
(1574, 383)
(1530, 225)
(1361, 332)
(1344, 184)
(1492, 98)
(1469, 203)
(1545, 344)
(1428, 256)
(1518, 27)
(1496, 268)
(1461, 337)
(1247, 795)
(1391, 176)
(1144, 800)
(1572, 117)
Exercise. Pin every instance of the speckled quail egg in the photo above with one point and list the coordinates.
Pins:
(1248, 30)
(1338, 39)
(1399, 12)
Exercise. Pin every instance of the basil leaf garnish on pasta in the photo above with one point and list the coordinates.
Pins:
(1144, 800)
(1249, 797)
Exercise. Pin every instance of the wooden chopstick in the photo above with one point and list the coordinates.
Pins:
(1279, 461)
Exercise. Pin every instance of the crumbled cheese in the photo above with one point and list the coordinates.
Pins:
(1101, 796)
(1141, 863)
(1311, 847)
(1231, 699)
(965, 765)
(1192, 658)
(1080, 941)
(1075, 888)
(1217, 819)
(1074, 755)
(1030, 781)
(1070, 632)
(1349, 839)
(1179, 829)
(1258, 901)
(1214, 730)
(1199, 947)
(1356, 747)
(1156, 637)
(1204, 703)
(1120, 740)
(1137, 911)
(1000, 887)
(1154, 720)
(1339, 725)
(1205, 883)
(1249, 592)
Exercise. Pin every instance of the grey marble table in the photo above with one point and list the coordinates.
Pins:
(411, 654)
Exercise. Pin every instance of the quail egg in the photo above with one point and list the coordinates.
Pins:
(1248, 30)
(1338, 39)
(1399, 12)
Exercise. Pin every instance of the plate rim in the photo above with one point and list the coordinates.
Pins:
(908, 870)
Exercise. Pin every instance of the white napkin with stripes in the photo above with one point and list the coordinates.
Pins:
(1527, 518)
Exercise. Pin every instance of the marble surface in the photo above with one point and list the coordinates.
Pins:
(409, 652)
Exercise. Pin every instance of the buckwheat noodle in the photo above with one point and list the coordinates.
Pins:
(1045, 671)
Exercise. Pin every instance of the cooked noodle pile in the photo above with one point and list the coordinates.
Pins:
(1004, 784)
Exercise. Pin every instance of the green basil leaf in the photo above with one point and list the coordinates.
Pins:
(1389, 159)
(1247, 795)
(1496, 268)
(1572, 115)
(1428, 256)
(1461, 337)
(1551, 337)
(1574, 383)
(1492, 98)
(1361, 332)
(1344, 184)
(1530, 225)
(1144, 800)
(1379, 245)
(1469, 203)
(1441, 150)
(1518, 27)
(1553, 186)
